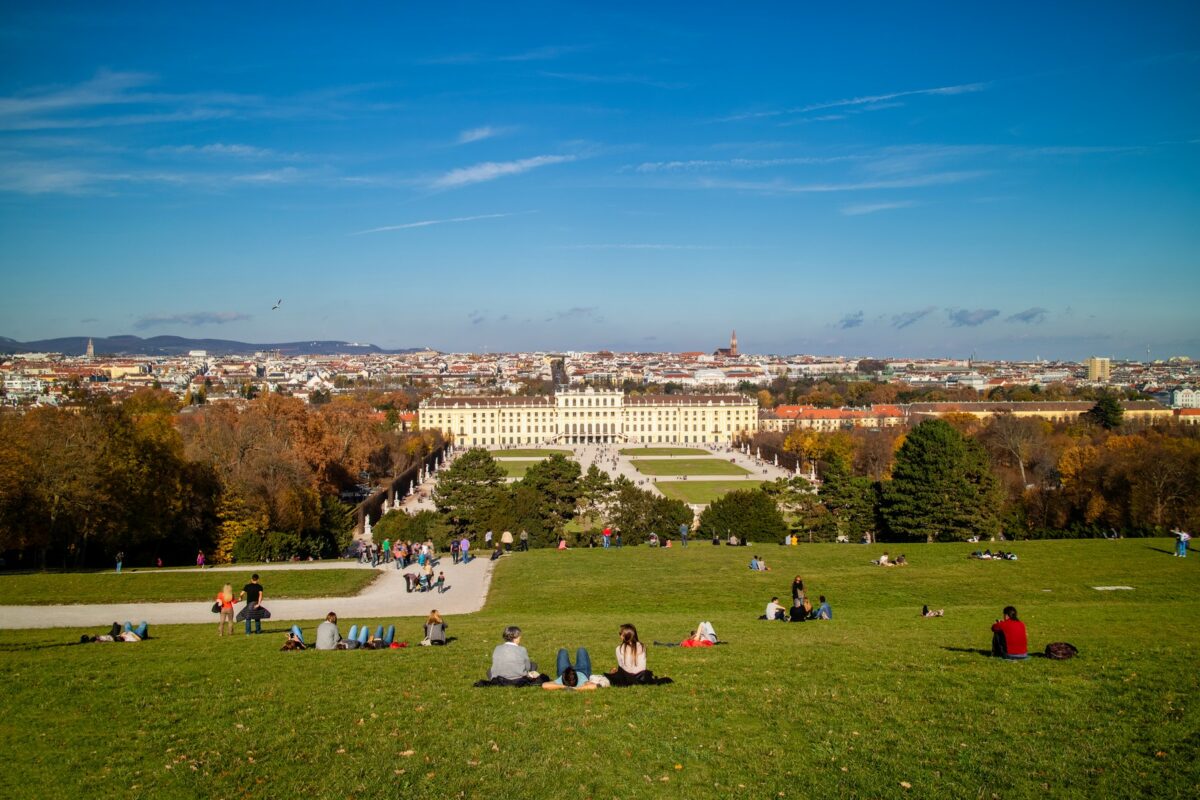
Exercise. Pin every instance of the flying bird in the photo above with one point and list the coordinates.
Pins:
(277, 304)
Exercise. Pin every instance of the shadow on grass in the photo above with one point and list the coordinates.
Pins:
(988, 653)
(1160, 550)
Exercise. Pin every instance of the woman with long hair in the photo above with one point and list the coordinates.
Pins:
(631, 653)
(435, 628)
(797, 590)
(225, 598)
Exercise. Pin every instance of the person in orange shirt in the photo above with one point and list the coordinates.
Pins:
(225, 598)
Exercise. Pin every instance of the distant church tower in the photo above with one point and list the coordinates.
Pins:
(733, 344)
(91, 349)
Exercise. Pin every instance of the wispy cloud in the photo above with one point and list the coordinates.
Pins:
(906, 318)
(587, 77)
(872, 208)
(588, 313)
(477, 317)
(221, 149)
(480, 133)
(192, 319)
(699, 165)
(427, 222)
(865, 102)
(1030, 316)
(544, 53)
(785, 187)
(638, 246)
(850, 320)
(962, 318)
(490, 170)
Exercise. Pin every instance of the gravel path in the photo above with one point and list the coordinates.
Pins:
(466, 591)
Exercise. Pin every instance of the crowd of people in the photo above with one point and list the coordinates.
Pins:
(988, 555)
(328, 635)
(512, 666)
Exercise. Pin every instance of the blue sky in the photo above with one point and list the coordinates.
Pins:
(892, 180)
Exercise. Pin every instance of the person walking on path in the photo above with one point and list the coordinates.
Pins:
(253, 593)
(454, 551)
(120, 558)
(200, 559)
(464, 547)
(225, 598)
(506, 539)
(524, 540)
(487, 540)
(683, 533)
(607, 532)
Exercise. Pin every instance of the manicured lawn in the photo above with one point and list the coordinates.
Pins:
(687, 466)
(516, 469)
(47, 588)
(530, 453)
(664, 451)
(702, 492)
(877, 703)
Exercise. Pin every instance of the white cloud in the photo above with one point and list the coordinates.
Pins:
(426, 223)
(871, 102)
(871, 208)
(481, 133)
(218, 149)
(697, 165)
(490, 170)
(784, 187)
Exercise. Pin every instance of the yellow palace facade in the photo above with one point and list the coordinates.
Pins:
(591, 416)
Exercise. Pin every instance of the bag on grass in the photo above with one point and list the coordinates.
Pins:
(1061, 651)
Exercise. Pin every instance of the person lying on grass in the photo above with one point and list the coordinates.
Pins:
(926, 611)
(118, 634)
(578, 677)
(1008, 636)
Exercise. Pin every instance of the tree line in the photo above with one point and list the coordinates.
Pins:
(153, 478)
(554, 498)
(958, 477)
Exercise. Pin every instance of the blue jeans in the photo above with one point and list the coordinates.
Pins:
(1181, 549)
(388, 635)
(606, 538)
(140, 630)
(583, 662)
(257, 622)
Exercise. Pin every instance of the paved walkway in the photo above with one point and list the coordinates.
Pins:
(467, 587)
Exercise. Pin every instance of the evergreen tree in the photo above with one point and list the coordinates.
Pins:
(942, 488)
(469, 491)
(749, 515)
(1107, 413)
(556, 482)
(849, 498)
(637, 513)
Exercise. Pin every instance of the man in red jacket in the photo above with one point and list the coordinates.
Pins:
(1008, 636)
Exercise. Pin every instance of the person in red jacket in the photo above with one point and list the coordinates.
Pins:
(1008, 636)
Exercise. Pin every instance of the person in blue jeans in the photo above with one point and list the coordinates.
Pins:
(252, 592)
(572, 677)
(140, 630)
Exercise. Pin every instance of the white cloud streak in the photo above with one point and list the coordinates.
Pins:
(699, 165)
(490, 170)
(784, 187)
(873, 102)
(479, 134)
(428, 222)
(872, 208)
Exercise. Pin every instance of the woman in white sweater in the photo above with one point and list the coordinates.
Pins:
(631, 654)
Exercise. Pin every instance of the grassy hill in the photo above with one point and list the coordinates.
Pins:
(877, 703)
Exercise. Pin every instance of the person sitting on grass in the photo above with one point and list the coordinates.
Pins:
(823, 611)
(510, 661)
(435, 629)
(774, 610)
(926, 611)
(883, 560)
(901, 561)
(294, 640)
(801, 609)
(631, 662)
(327, 633)
(578, 677)
(1009, 638)
(497, 553)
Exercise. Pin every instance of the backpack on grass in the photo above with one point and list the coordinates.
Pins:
(1061, 651)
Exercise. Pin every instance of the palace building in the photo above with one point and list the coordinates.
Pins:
(591, 416)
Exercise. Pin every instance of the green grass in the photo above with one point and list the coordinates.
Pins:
(702, 492)
(664, 451)
(516, 469)
(857, 707)
(687, 466)
(49, 588)
(538, 453)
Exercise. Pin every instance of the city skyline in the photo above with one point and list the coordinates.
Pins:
(921, 181)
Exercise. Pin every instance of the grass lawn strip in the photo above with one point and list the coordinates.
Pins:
(664, 451)
(877, 703)
(52, 588)
(702, 492)
(516, 469)
(687, 466)
(538, 453)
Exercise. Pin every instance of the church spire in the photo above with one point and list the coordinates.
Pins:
(733, 344)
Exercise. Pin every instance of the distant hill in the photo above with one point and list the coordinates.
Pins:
(179, 345)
